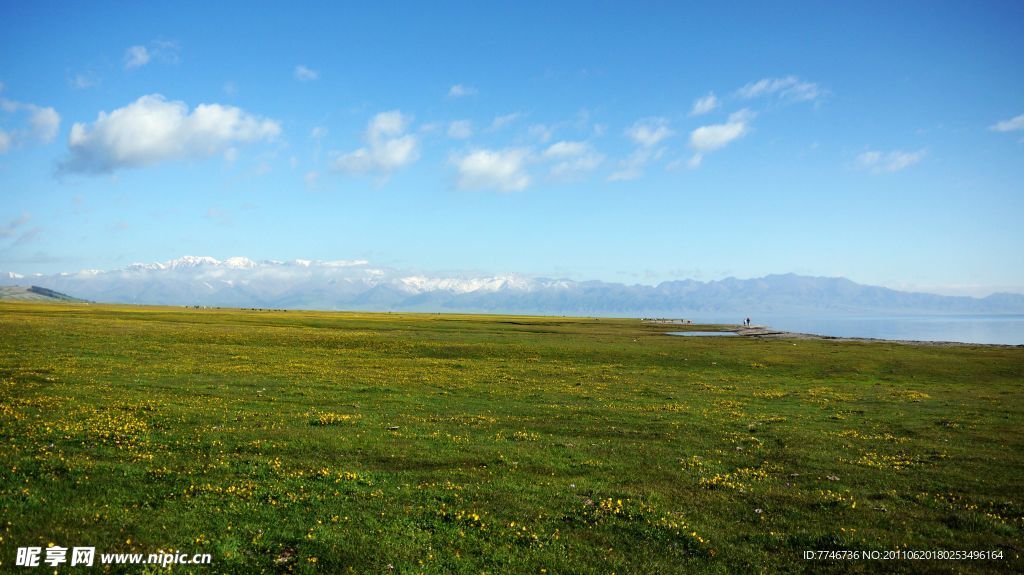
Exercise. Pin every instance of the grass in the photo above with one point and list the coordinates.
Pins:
(390, 443)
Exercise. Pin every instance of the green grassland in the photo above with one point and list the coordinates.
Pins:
(403, 443)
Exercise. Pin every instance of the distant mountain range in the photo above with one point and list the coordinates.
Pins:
(357, 285)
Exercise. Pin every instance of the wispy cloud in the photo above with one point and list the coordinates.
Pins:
(887, 162)
(704, 105)
(388, 147)
(43, 124)
(11, 228)
(304, 74)
(484, 169)
(716, 136)
(17, 232)
(460, 91)
(649, 132)
(541, 132)
(310, 179)
(633, 166)
(220, 216)
(460, 129)
(504, 120)
(572, 159)
(789, 88)
(646, 134)
(566, 149)
(83, 81)
(137, 56)
(28, 237)
(153, 129)
(1012, 125)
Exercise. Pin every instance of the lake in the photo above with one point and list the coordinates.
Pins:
(1002, 329)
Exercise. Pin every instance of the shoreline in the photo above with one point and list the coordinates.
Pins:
(766, 332)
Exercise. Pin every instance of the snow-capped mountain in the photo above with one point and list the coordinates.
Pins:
(358, 285)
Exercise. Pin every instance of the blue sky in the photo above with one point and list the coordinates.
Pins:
(632, 142)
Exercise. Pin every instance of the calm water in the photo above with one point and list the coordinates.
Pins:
(1005, 329)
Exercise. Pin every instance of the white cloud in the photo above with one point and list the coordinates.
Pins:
(790, 88)
(572, 159)
(704, 105)
(649, 132)
(541, 132)
(1011, 125)
(716, 136)
(646, 134)
(633, 166)
(500, 122)
(503, 170)
(887, 162)
(460, 129)
(166, 50)
(43, 124)
(459, 90)
(311, 178)
(695, 160)
(136, 57)
(386, 124)
(429, 127)
(388, 146)
(152, 129)
(304, 74)
(565, 149)
(82, 81)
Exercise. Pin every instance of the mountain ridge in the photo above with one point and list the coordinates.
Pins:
(358, 285)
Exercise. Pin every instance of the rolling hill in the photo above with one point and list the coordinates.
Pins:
(35, 293)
